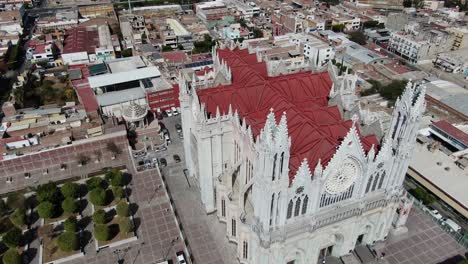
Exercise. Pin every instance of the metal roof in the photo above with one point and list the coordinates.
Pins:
(118, 97)
(122, 77)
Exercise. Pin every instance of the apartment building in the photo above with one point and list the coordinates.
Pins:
(213, 13)
(461, 37)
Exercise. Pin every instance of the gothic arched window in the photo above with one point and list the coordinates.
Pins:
(381, 179)
(298, 207)
(369, 184)
(281, 163)
(233, 227)
(290, 208)
(223, 208)
(304, 204)
(395, 128)
(375, 182)
(274, 167)
(271, 208)
(245, 250)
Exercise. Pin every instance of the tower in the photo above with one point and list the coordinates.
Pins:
(404, 127)
(271, 172)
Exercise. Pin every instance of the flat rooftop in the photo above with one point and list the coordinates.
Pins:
(440, 169)
(179, 30)
(124, 76)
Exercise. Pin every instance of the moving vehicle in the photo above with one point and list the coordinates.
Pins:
(451, 224)
(178, 127)
(162, 162)
(181, 257)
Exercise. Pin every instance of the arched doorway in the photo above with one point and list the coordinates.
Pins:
(361, 239)
(332, 250)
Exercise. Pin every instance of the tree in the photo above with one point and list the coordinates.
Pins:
(126, 53)
(118, 192)
(100, 217)
(98, 196)
(46, 210)
(123, 209)
(101, 232)
(117, 178)
(125, 225)
(338, 28)
(113, 148)
(12, 238)
(70, 225)
(3, 208)
(11, 256)
(95, 182)
(358, 37)
(82, 159)
(68, 241)
(69, 205)
(167, 48)
(418, 4)
(258, 33)
(15, 200)
(407, 3)
(49, 192)
(18, 218)
(70, 189)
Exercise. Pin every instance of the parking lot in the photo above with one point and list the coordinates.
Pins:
(206, 236)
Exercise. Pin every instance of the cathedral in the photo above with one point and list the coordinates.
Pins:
(286, 160)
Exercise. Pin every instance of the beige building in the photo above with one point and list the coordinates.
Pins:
(461, 37)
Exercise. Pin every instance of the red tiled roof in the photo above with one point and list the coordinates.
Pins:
(81, 39)
(452, 130)
(315, 127)
(175, 56)
(83, 90)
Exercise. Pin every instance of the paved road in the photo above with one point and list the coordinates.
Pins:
(205, 234)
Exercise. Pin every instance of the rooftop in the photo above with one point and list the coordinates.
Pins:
(179, 30)
(315, 127)
(452, 131)
(123, 76)
(81, 39)
(449, 94)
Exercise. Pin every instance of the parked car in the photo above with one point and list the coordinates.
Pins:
(434, 213)
(168, 139)
(160, 149)
(177, 158)
(181, 257)
(162, 162)
(164, 114)
(148, 164)
(454, 227)
(165, 131)
(178, 127)
(181, 135)
(174, 111)
(169, 113)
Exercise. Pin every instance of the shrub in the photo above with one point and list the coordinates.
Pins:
(70, 225)
(12, 238)
(46, 210)
(11, 256)
(68, 241)
(49, 192)
(95, 182)
(70, 189)
(125, 225)
(69, 205)
(18, 218)
(100, 217)
(422, 195)
(98, 197)
(117, 179)
(15, 200)
(101, 232)
(123, 209)
(118, 192)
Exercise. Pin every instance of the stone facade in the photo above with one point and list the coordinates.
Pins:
(326, 210)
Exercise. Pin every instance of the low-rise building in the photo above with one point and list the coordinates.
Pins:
(318, 52)
(213, 13)
(453, 61)
(41, 52)
(433, 4)
(182, 36)
(461, 37)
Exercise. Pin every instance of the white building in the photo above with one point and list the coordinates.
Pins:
(292, 180)
(318, 52)
(433, 5)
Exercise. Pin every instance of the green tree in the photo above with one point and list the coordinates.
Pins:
(70, 225)
(101, 232)
(98, 197)
(11, 256)
(358, 37)
(407, 3)
(100, 217)
(49, 192)
(125, 225)
(94, 182)
(118, 192)
(46, 210)
(69, 205)
(16, 200)
(118, 178)
(126, 53)
(70, 189)
(123, 209)
(12, 238)
(338, 28)
(68, 241)
(258, 33)
(18, 218)
(167, 48)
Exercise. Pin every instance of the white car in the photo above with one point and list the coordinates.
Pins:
(169, 113)
(181, 257)
(174, 111)
(450, 223)
(434, 213)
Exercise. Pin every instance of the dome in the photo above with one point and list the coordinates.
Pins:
(134, 112)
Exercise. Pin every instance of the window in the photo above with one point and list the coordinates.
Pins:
(369, 184)
(375, 182)
(298, 207)
(281, 162)
(271, 208)
(9, 180)
(304, 204)
(245, 250)
(381, 180)
(27, 175)
(274, 167)
(233, 227)
(45, 171)
(223, 208)
(290, 207)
